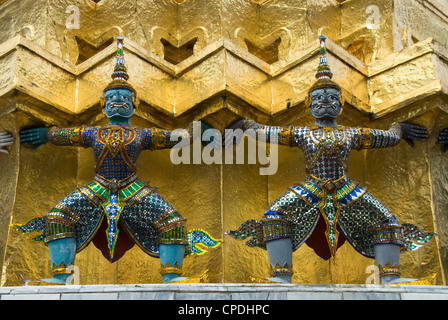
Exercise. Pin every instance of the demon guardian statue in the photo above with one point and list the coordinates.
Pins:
(116, 209)
(328, 208)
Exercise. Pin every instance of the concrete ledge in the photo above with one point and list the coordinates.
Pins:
(225, 292)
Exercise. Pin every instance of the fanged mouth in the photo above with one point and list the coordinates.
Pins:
(119, 105)
(326, 105)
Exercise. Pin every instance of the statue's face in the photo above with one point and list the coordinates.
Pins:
(118, 103)
(325, 103)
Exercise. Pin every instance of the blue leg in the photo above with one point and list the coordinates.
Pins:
(387, 257)
(171, 257)
(280, 258)
(62, 255)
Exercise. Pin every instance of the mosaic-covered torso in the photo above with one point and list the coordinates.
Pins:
(115, 148)
(116, 151)
(327, 149)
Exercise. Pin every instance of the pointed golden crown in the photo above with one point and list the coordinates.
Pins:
(120, 76)
(323, 74)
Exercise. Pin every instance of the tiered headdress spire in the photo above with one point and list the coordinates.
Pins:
(120, 76)
(323, 74)
(120, 71)
(323, 71)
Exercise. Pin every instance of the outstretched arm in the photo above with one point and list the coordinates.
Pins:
(374, 138)
(36, 137)
(280, 135)
(157, 139)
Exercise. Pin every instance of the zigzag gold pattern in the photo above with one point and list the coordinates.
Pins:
(63, 105)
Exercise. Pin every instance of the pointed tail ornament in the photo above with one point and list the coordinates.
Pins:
(34, 225)
(414, 238)
(198, 238)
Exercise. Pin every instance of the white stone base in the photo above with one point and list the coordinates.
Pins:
(228, 291)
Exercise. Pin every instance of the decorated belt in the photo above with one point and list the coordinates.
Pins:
(113, 184)
(329, 185)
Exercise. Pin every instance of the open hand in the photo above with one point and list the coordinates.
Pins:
(6, 139)
(413, 132)
(209, 136)
(443, 139)
(229, 137)
(34, 137)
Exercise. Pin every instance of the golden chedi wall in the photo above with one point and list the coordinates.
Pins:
(218, 60)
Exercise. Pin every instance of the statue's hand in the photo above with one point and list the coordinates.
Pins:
(413, 132)
(443, 139)
(6, 139)
(228, 138)
(209, 138)
(34, 137)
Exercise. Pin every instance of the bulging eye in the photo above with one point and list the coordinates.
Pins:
(124, 97)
